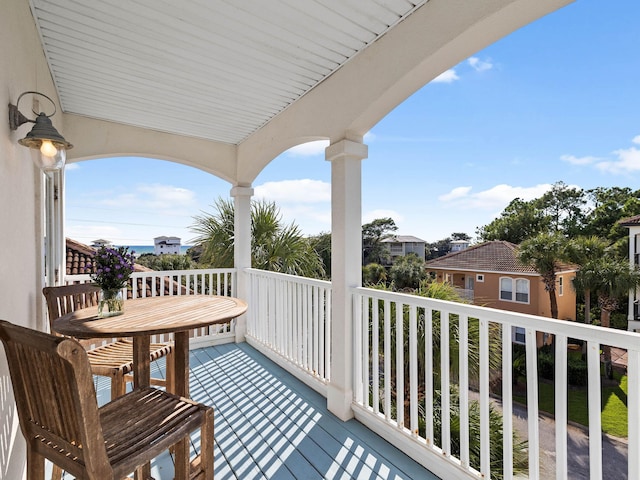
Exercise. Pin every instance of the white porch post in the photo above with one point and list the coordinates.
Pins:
(242, 248)
(346, 266)
(634, 232)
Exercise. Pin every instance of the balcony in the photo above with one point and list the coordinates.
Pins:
(269, 422)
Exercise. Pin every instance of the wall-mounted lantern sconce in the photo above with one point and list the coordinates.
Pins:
(43, 137)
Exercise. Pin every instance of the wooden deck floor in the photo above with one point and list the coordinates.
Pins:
(270, 425)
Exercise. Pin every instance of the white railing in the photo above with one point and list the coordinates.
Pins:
(402, 360)
(290, 317)
(217, 281)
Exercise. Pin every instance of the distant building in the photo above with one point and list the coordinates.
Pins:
(166, 245)
(458, 245)
(401, 245)
(101, 242)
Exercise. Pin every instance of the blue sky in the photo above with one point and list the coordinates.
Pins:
(558, 100)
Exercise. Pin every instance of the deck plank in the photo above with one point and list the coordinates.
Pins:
(270, 425)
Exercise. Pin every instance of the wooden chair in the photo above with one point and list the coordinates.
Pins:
(61, 421)
(114, 359)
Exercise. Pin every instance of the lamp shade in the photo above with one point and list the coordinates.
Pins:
(51, 146)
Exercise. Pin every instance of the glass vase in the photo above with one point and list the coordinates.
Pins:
(110, 303)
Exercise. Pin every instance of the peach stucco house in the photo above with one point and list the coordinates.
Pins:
(491, 275)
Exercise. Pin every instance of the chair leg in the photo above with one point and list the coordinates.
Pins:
(206, 445)
(118, 385)
(170, 370)
(35, 464)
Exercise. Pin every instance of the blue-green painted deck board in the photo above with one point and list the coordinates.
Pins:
(270, 425)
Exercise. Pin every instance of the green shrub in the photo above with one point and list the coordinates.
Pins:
(577, 372)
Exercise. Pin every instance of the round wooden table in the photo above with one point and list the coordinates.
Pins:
(145, 317)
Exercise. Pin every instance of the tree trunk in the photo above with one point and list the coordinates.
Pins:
(587, 306)
(554, 304)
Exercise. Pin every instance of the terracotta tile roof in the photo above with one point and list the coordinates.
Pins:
(79, 254)
(495, 256)
(630, 221)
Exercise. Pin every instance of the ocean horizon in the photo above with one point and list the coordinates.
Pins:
(142, 249)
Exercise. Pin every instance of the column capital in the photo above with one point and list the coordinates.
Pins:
(346, 149)
(242, 191)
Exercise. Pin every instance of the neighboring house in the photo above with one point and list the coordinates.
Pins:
(458, 245)
(79, 255)
(633, 224)
(490, 275)
(401, 245)
(101, 242)
(166, 245)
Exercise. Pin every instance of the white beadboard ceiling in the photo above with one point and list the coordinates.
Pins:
(213, 69)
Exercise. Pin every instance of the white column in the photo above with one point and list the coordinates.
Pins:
(346, 266)
(242, 249)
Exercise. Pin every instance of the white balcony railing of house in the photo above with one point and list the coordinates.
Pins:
(289, 320)
(402, 360)
(219, 281)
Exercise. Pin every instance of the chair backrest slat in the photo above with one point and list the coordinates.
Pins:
(54, 392)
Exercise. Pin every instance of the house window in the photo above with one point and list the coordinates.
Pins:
(519, 335)
(522, 290)
(506, 289)
(396, 248)
(521, 294)
(560, 286)
(479, 278)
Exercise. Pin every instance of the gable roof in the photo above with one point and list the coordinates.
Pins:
(494, 256)
(403, 239)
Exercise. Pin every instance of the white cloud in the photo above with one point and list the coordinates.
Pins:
(457, 192)
(627, 161)
(447, 76)
(636, 139)
(88, 233)
(579, 160)
(308, 149)
(301, 191)
(71, 166)
(479, 65)
(496, 197)
(154, 196)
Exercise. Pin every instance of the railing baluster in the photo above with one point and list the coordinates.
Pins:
(387, 360)
(633, 408)
(375, 354)
(532, 404)
(485, 434)
(507, 401)
(595, 404)
(399, 365)
(428, 374)
(445, 389)
(463, 367)
(413, 369)
(561, 406)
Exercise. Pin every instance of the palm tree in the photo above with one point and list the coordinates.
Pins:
(543, 253)
(274, 246)
(585, 252)
(615, 281)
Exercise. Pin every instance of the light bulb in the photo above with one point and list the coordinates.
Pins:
(47, 149)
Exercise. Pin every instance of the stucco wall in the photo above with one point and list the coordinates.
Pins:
(22, 67)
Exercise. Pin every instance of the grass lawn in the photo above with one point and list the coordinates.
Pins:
(614, 405)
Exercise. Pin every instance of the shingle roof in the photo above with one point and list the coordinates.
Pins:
(403, 239)
(495, 256)
(630, 221)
